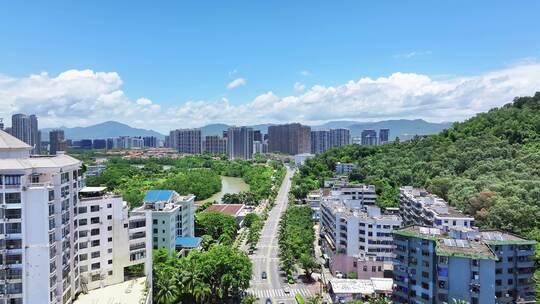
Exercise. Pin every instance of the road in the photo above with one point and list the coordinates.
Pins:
(266, 256)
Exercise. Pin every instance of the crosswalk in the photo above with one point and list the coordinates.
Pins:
(279, 293)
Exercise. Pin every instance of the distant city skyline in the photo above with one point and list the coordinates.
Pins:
(320, 62)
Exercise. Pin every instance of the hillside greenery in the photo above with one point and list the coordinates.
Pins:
(487, 166)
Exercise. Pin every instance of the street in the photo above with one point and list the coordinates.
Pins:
(266, 256)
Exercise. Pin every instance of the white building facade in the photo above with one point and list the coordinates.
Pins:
(419, 207)
(40, 241)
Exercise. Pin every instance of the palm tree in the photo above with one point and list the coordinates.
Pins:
(317, 299)
(166, 289)
(249, 299)
(202, 292)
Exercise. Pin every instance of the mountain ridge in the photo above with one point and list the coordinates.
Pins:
(402, 128)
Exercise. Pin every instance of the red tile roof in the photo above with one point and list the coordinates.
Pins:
(231, 209)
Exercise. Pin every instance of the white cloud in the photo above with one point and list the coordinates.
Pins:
(305, 73)
(299, 87)
(238, 82)
(78, 98)
(412, 54)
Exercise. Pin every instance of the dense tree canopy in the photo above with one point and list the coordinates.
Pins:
(199, 175)
(221, 227)
(218, 275)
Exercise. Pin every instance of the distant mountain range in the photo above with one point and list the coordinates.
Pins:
(102, 130)
(402, 128)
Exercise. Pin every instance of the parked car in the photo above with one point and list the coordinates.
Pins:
(263, 275)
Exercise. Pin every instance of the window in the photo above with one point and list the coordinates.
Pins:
(13, 198)
(51, 195)
(109, 250)
(94, 208)
(109, 262)
(95, 266)
(12, 180)
(155, 230)
(109, 205)
(373, 269)
(94, 220)
(83, 233)
(94, 231)
(83, 245)
(510, 282)
(109, 239)
(95, 254)
(109, 228)
(82, 210)
(110, 272)
(83, 222)
(83, 269)
(109, 217)
(95, 243)
(83, 257)
(154, 222)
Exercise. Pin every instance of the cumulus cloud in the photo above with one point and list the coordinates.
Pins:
(299, 87)
(78, 98)
(238, 82)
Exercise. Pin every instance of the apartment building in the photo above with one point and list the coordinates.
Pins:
(215, 144)
(354, 195)
(188, 141)
(436, 266)
(419, 207)
(25, 128)
(320, 141)
(291, 139)
(36, 223)
(43, 239)
(239, 142)
(108, 239)
(384, 135)
(57, 141)
(339, 137)
(172, 216)
(358, 232)
(369, 137)
(344, 168)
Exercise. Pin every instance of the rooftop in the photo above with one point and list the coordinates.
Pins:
(495, 237)
(446, 245)
(188, 242)
(9, 142)
(432, 202)
(38, 162)
(128, 292)
(230, 209)
(158, 196)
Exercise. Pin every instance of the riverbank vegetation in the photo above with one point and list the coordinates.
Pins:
(198, 175)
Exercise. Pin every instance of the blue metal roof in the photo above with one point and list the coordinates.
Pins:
(188, 242)
(157, 195)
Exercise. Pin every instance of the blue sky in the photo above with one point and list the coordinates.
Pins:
(171, 52)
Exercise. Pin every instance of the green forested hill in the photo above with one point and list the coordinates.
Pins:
(488, 166)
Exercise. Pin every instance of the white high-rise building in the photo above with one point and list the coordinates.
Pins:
(43, 236)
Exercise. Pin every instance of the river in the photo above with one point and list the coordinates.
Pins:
(228, 185)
